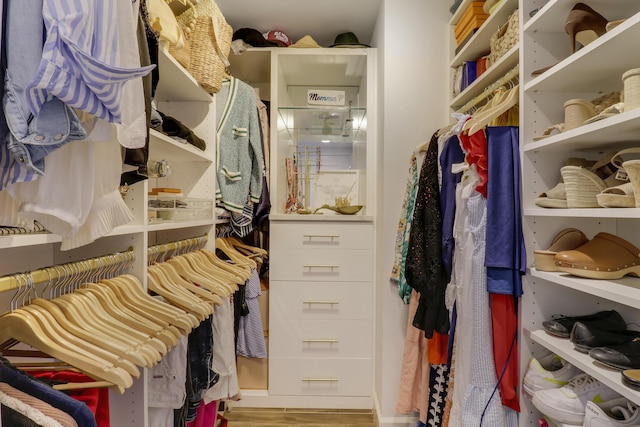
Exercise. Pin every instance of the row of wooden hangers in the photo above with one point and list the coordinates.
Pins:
(103, 323)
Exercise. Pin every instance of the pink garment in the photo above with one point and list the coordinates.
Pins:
(413, 394)
(205, 415)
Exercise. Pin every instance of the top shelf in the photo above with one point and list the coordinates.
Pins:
(479, 44)
(176, 84)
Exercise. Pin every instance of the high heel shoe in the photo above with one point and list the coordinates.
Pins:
(584, 25)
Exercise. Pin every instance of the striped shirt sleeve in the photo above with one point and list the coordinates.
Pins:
(80, 61)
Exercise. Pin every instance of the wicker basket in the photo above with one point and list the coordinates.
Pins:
(631, 80)
(209, 37)
(504, 39)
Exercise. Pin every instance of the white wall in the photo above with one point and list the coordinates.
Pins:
(412, 40)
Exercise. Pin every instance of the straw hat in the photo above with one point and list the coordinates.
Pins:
(306, 42)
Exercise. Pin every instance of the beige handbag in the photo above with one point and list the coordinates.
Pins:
(209, 39)
(504, 39)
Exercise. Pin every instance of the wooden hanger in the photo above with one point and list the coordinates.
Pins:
(188, 272)
(175, 279)
(20, 327)
(238, 275)
(132, 293)
(235, 256)
(186, 302)
(239, 244)
(133, 320)
(207, 270)
(51, 325)
(507, 100)
(94, 326)
(92, 337)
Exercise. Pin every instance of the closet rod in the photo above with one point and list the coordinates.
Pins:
(509, 76)
(154, 251)
(43, 275)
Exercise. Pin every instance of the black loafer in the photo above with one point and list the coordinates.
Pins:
(607, 320)
(623, 356)
(585, 337)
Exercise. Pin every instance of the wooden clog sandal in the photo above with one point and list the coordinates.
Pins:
(567, 239)
(606, 256)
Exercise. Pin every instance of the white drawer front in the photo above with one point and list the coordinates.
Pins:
(320, 338)
(321, 265)
(321, 235)
(320, 377)
(320, 301)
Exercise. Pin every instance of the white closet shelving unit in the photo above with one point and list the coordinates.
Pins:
(193, 171)
(321, 266)
(478, 46)
(594, 70)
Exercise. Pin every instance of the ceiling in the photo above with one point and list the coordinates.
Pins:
(321, 19)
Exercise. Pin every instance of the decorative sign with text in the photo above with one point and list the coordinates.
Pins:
(325, 97)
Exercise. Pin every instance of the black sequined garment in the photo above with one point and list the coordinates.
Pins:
(424, 267)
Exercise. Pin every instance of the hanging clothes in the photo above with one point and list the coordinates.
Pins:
(17, 379)
(424, 270)
(505, 256)
(238, 151)
(398, 275)
(251, 341)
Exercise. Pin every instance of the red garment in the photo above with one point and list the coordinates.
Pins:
(205, 415)
(505, 348)
(476, 148)
(438, 348)
(97, 399)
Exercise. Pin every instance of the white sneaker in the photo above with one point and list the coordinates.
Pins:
(614, 413)
(567, 403)
(549, 371)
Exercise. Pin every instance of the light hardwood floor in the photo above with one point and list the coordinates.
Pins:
(268, 417)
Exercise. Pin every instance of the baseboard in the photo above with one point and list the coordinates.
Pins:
(400, 421)
(262, 399)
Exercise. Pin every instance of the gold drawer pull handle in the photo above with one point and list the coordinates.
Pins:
(326, 266)
(330, 341)
(319, 380)
(320, 302)
(331, 237)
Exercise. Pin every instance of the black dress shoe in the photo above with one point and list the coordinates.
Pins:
(584, 337)
(623, 356)
(607, 320)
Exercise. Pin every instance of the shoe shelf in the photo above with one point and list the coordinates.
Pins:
(604, 58)
(624, 291)
(162, 146)
(615, 213)
(564, 348)
(617, 132)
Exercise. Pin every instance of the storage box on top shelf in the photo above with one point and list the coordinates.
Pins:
(472, 19)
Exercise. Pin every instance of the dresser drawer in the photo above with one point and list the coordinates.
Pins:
(321, 264)
(333, 235)
(320, 338)
(320, 301)
(320, 377)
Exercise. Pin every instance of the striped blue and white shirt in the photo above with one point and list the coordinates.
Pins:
(80, 60)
